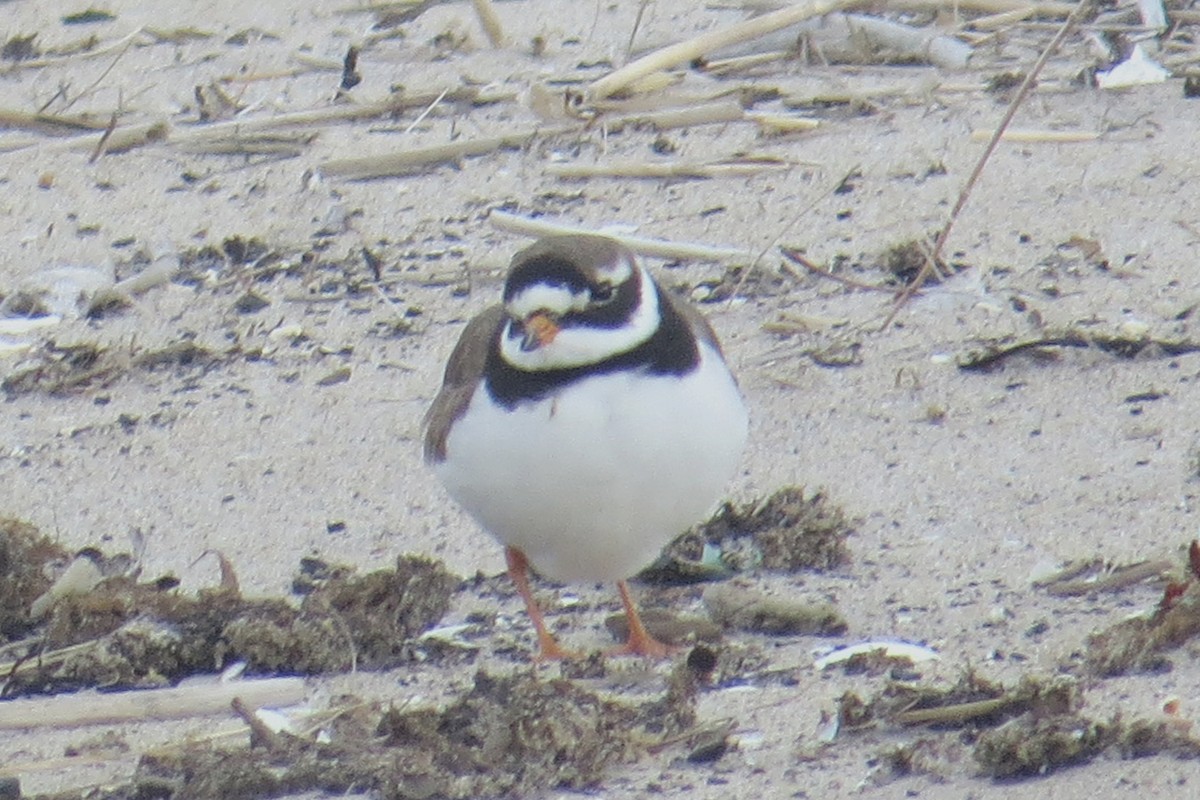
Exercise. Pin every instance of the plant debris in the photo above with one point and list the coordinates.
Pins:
(127, 634)
(88, 17)
(786, 531)
(508, 735)
(1030, 747)
(24, 556)
(1027, 731)
(1137, 644)
(1090, 577)
(1033, 746)
(1120, 346)
(56, 369)
(19, 48)
(973, 701)
(906, 260)
(736, 607)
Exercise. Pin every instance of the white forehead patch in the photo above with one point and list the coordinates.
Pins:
(616, 272)
(558, 300)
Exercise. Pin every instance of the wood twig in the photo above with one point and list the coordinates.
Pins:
(1114, 581)
(965, 194)
(796, 257)
(956, 714)
(89, 708)
(102, 145)
(741, 284)
(1121, 346)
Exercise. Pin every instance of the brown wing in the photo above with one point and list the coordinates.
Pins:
(695, 320)
(463, 372)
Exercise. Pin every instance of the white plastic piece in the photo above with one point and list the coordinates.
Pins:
(915, 653)
(1137, 70)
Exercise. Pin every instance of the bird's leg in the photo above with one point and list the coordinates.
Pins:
(640, 642)
(518, 569)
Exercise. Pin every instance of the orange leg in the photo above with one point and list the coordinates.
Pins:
(640, 642)
(518, 569)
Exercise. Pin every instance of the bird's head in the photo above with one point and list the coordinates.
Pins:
(575, 300)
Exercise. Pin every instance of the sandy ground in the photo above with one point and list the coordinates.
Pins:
(964, 485)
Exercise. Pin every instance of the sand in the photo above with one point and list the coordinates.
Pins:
(302, 436)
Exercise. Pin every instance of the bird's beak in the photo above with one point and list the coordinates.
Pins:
(539, 328)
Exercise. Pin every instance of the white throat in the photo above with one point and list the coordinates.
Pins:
(580, 346)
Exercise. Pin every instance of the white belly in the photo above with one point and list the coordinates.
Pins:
(592, 484)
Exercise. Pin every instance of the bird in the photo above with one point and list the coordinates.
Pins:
(585, 422)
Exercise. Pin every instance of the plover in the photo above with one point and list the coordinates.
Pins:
(586, 421)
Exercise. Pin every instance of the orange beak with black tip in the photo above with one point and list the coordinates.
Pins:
(539, 328)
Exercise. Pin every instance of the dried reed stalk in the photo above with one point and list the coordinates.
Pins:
(678, 169)
(86, 708)
(690, 50)
(490, 21)
(407, 162)
(655, 248)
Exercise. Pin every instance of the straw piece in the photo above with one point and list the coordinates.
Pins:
(1120, 578)
(904, 40)
(857, 39)
(340, 113)
(50, 61)
(956, 714)
(228, 136)
(90, 708)
(1043, 9)
(779, 124)
(288, 145)
(727, 66)
(119, 139)
(1002, 20)
(490, 21)
(51, 123)
(684, 97)
(407, 162)
(1027, 135)
(14, 142)
(678, 169)
(655, 248)
(705, 114)
(690, 50)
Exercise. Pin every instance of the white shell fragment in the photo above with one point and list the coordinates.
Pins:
(916, 653)
(276, 721)
(19, 326)
(79, 578)
(63, 292)
(1137, 70)
(451, 635)
(52, 295)
(233, 672)
(1153, 14)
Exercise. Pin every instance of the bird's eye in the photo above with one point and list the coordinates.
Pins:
(603, 294)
